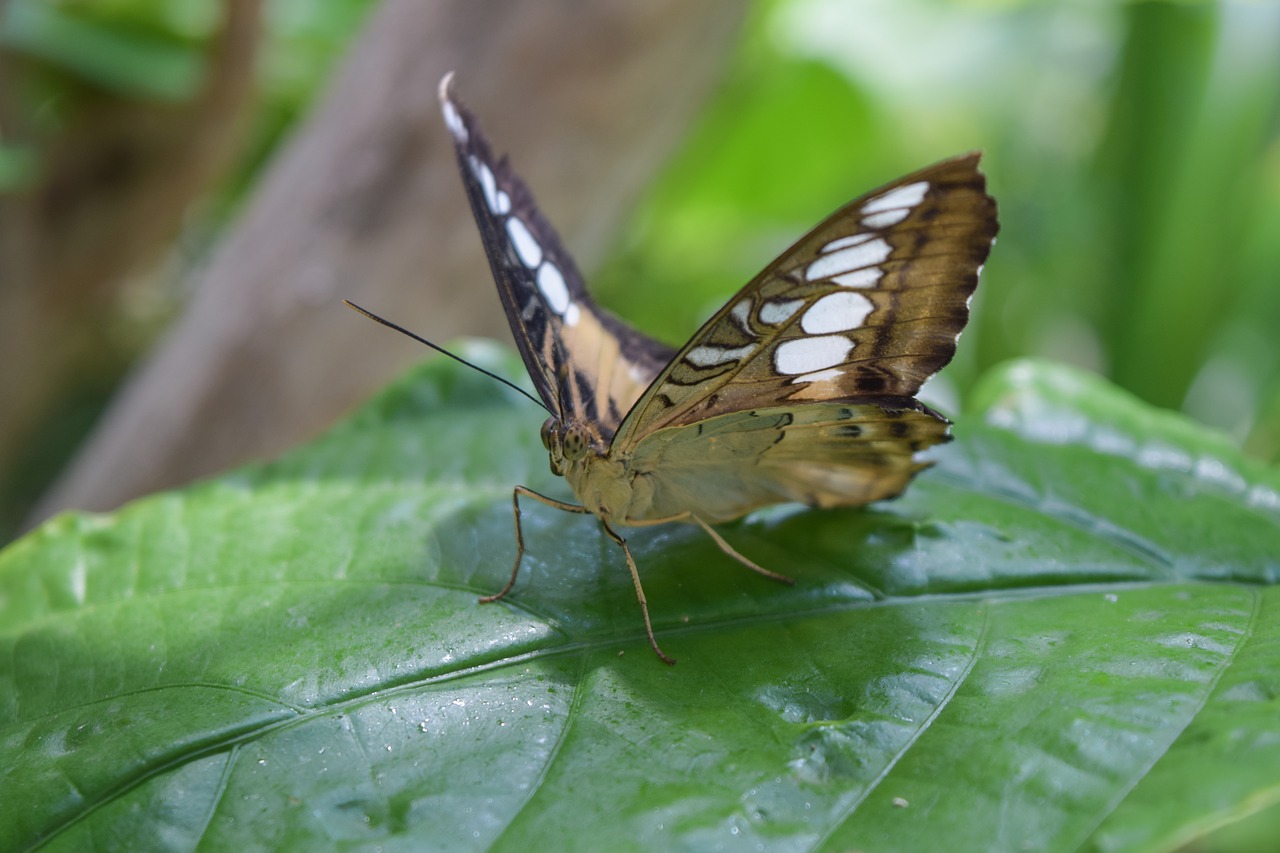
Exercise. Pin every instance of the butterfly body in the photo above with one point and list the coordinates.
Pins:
(801, 388)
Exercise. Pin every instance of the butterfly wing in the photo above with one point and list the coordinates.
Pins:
(801, 387)
(868, 304)
(586, 364)
(820, 454)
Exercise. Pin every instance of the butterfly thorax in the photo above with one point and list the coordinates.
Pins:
(601, 483)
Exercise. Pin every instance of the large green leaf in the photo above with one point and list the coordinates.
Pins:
(1065, 635)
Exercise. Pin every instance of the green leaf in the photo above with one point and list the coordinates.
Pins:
(1065, 635)
(117, 55)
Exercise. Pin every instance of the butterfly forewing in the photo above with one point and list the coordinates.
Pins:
(867, 305)
(587, 366)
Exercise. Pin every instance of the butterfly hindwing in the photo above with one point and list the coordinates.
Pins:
(868, 304)
(820, 454)
(587, 366)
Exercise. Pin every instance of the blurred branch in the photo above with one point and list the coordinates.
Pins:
(364, 202)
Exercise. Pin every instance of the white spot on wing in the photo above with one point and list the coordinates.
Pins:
(485, 176)
(502, 203)
(773, 313)
(526, 247)
(845, 242)
(847, 260)
(551, 283)
(836, 312)
(906, 196)
(818, 376)
(740, 312)
(453, 121)
(806, 355)
(709, 356)
(571, 314)
(859, 278)
(885, 218)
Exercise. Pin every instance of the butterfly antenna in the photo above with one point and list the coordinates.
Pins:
(402, 330)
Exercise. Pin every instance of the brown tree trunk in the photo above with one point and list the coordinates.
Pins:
(364, 202)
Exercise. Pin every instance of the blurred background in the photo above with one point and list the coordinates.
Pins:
(188, 188)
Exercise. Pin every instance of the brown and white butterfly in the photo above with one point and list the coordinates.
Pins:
(801, 388)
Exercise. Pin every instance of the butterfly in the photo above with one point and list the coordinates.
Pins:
(800, 389)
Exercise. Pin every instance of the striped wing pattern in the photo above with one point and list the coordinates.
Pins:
(587, 366)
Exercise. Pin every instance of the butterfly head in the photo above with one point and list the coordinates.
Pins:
(566, 442)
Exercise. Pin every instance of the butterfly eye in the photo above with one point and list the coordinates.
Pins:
(548, 426)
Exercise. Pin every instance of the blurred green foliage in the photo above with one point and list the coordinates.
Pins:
(78, 51)
(75, 53)
(133, 48)
(65, 64)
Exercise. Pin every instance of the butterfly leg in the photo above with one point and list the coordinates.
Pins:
(719, 540)
(635, 579)
(729, 549)
(515, 510)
